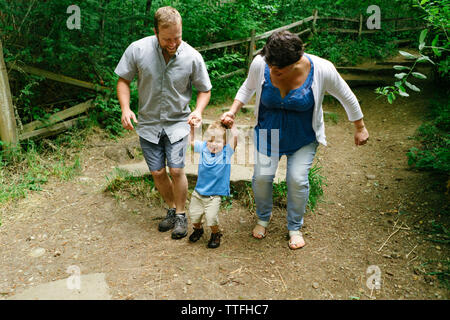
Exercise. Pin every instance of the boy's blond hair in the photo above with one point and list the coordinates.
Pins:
(165, 17)
(217, 125)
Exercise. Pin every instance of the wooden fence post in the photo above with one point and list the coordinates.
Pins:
(315, 12)
(360, 25)
(251, 49)
(8, 128)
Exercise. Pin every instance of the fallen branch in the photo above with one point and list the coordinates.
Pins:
(398, 228)
(282, 280)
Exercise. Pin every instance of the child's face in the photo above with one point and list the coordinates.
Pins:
(214, 141)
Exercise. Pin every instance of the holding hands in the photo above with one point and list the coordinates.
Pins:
(195, 119)
(228, 119)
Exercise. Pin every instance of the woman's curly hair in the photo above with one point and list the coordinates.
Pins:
(282, 48)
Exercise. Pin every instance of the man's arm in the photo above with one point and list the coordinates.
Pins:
(123, 94)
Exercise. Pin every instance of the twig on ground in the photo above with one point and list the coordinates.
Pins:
(69, 205)
(262, 279)
(412, 259)
(211, 281)
(282, 280)
(398, 228)
(237, 270)
(411, 251)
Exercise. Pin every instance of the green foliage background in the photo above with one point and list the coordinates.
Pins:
(34, 33)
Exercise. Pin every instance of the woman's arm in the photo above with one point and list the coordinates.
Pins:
(245, 92)
(338, 88)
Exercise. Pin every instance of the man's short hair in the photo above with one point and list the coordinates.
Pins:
(165, 17)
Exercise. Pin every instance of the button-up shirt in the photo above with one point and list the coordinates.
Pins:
(164, 89)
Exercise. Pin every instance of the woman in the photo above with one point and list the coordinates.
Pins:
(290, 86)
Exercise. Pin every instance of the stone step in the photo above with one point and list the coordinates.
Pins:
(85, 287)
(242, 163)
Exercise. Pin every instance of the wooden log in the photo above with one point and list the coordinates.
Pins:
(360, 25)
(289, 26)
(314, 31)
(337, 19)
(337, 30)
(243, 70)
(410, 28)
(264, 35)
(399, 19)
(52, 130)
(59, 116)
(251, 49)
(8, 127)
(57, 77)
(303, 31)
(218, 45)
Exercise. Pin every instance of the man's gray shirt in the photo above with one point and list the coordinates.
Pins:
(164, 90)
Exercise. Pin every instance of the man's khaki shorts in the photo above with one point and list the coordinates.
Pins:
(208, 206)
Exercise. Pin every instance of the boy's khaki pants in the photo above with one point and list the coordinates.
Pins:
(204, 205)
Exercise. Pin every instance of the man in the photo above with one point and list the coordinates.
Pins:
(167, 67)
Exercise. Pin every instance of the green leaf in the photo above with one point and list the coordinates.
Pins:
(412, 87)
(400, 75)
(421, 45)
(419, 75)
(391, 97)
(422, 36)
(407, 55)
(434, 44)
(401, 89)
(403, 94)
(398, 67)
(425, 58)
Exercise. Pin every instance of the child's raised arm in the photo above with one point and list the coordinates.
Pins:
(234, 137)
(191, 139)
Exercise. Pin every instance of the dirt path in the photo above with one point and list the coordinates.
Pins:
(375, 213)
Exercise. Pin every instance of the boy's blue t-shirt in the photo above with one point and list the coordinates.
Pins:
(214, 170)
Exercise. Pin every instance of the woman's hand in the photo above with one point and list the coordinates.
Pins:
(361, 136)
(228, 119)
(361, 133)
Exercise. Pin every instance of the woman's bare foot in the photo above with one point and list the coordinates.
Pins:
(259, 232)
(296, 241)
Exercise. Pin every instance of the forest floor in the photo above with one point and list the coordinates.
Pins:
(378, 218)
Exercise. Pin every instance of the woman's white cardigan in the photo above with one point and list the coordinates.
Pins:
(326, 78)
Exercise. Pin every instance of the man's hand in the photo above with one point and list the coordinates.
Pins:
(127, 115)
(195, 119)
(228, 119)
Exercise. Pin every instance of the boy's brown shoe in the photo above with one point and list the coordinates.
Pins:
(214, 242)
